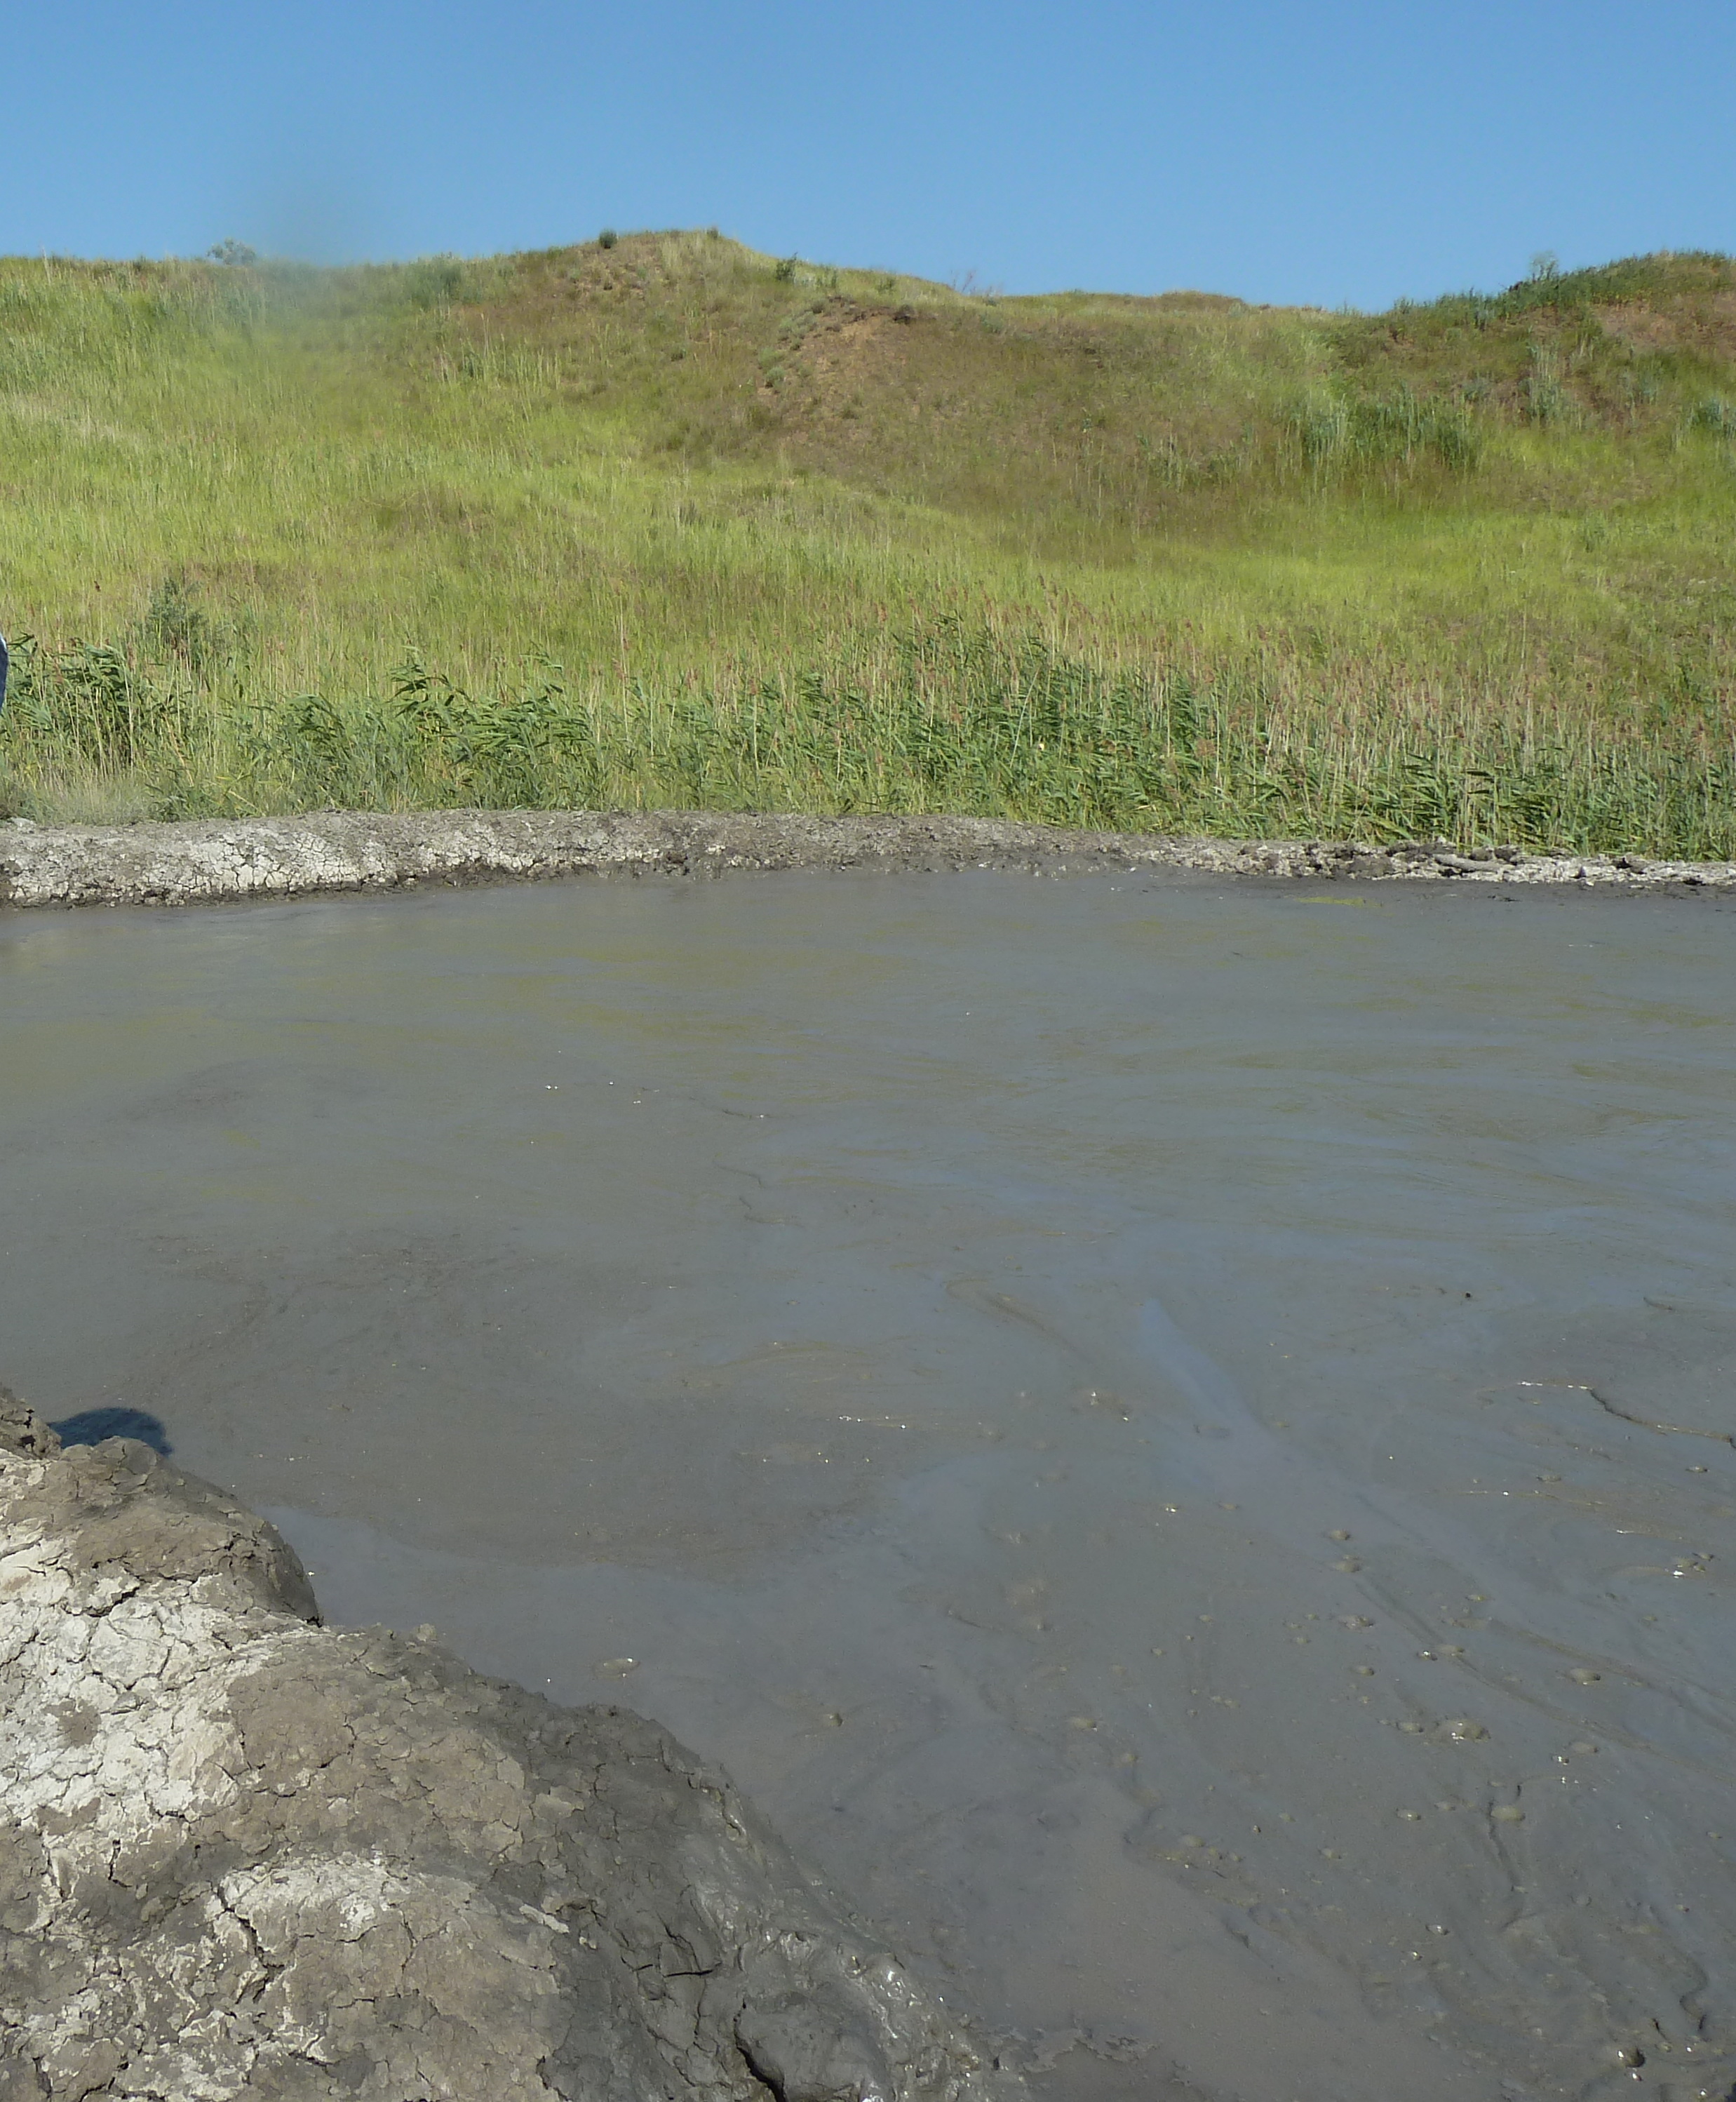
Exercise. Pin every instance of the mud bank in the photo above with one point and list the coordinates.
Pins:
(240, 1854)
(200, 863)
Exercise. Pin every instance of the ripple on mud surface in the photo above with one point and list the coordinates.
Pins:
(1177, 1437)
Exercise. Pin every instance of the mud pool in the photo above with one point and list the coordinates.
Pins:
(1177, 1437)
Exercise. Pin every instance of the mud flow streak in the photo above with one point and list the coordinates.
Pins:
(1176, 1437)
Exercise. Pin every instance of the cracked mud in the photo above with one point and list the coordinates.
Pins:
(215, 861)
(243, 1854)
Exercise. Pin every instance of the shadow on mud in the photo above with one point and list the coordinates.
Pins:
(90, 1426)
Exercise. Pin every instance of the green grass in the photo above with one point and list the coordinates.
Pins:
(672, 523)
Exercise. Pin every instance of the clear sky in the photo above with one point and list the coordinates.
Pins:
(1349, 151)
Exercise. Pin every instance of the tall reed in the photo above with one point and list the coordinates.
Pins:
(944, 716)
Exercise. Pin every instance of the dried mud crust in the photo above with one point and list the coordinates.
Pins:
(243, 1854)
(211, 862)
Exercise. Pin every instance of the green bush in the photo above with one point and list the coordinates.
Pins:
(1336, 433)
(1546, 399)
(434, 280)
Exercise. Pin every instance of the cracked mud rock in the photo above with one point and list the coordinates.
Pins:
(214, 860)
(243, 1854)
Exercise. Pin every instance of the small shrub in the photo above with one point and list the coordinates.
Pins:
(1456, 436)
(785, 271)
(175, 625)
(435, 280)
(1322, 425)
(1546, 399)
(607, 237)
(315, 725)
(1396, 428)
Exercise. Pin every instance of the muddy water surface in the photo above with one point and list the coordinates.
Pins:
(1176, 1437)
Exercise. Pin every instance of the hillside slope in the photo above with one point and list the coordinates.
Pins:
(668, 521)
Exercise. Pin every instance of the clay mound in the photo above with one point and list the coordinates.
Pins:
(243, 1854)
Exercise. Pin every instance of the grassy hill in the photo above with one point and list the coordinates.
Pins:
(667, 521)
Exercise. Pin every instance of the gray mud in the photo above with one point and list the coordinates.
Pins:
(240, 1855)
(1176, 1435)
(332, 850)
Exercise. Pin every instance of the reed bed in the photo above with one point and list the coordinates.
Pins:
(946, 717)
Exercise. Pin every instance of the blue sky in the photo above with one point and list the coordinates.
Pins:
(1346, 153)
